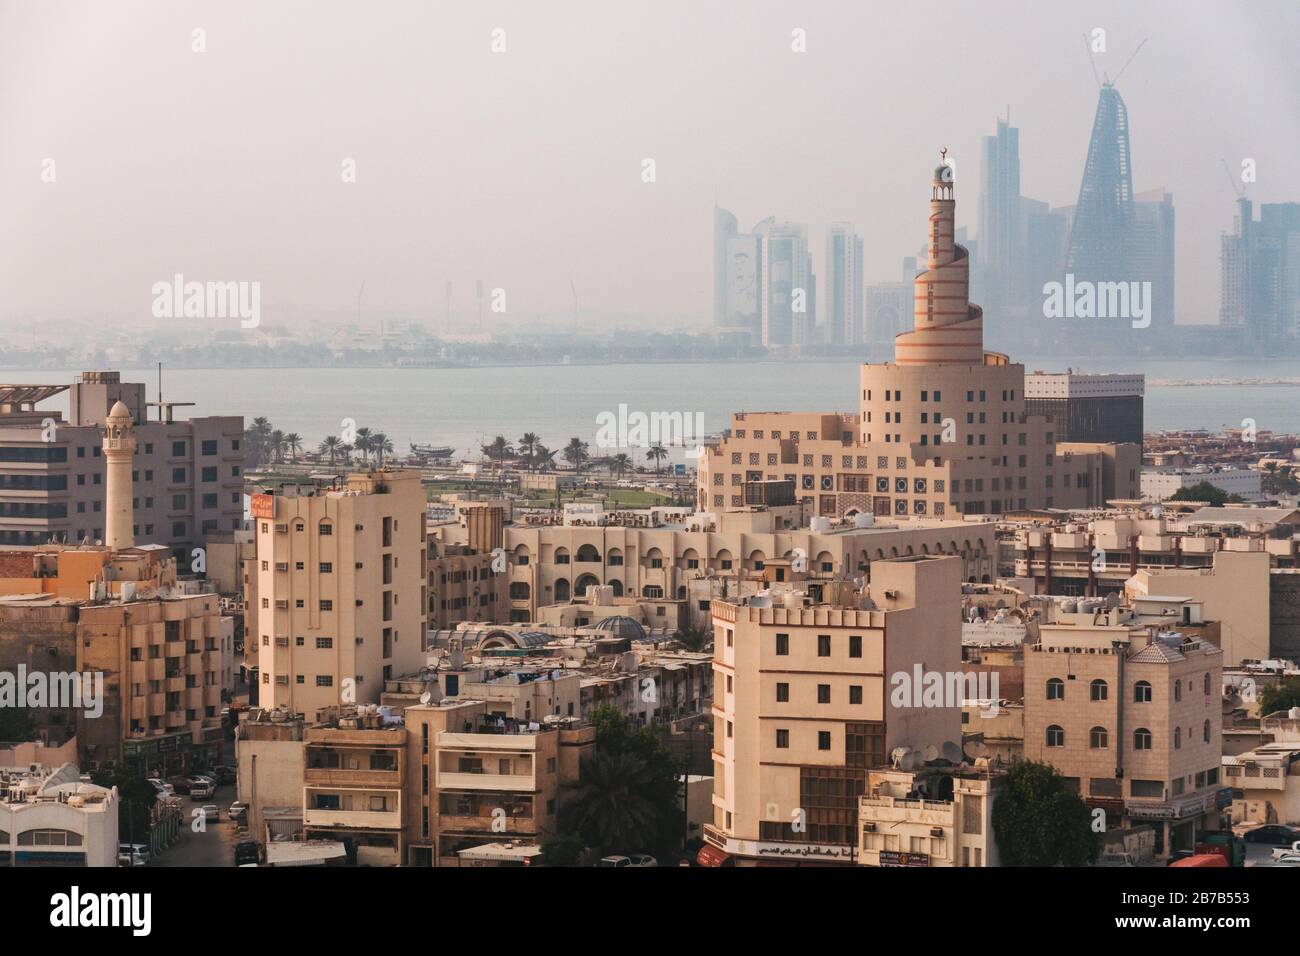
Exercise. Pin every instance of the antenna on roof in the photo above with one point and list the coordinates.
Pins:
(1128, 61)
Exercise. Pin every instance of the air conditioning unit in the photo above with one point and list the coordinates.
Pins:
(936, 831)
(282, 565)
(868, 828)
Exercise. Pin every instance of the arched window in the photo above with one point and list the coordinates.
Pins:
(1055, 688)
(584, 582)
(1141, 739)
(1098, 738)
(561, 555)
(617, 585)
(562, 589)
(1099, 690)
(1055, 736)
(49, 837)
(325, 527)
(1141, 692)
(588, 553)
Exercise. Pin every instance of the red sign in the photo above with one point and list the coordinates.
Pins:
(262, 506)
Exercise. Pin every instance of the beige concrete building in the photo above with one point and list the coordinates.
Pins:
(187, 475)
(480, 776)
(167, 658)
(928, 818)
(806, 702)
(48, 817)
(663, 560)
(341, 589)
(1265, 780)
(941, 431)
(1130, 714)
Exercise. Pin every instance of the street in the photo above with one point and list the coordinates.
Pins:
(213, 846)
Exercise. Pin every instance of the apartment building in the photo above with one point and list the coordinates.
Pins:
(1131, 715)
(651, 558)
(341, 590)
(188, 474)
(481, 776)
(929, 818)
(806, 701)
(1265, 780)
(353, 783)
(943, 430)
(167, 658)
(48, 817)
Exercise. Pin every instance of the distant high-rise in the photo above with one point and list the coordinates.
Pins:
(1099, 243)
(844, 289)
(724, 228)
(1260, 273)
(1151, 253)
(784, 281)
(1001, 231)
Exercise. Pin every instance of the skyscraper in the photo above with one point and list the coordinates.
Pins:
(1260, 273)
(1099, 236)
(845, 309)
(1001, 231)
(724, 228)
(784, 281)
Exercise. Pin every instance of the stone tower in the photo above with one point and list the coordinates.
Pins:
(119, 450)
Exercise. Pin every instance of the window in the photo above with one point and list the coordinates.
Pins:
(823, 693)
(1205, 731)
(324, 643)
(324, 680)
(327, 605)
(855, 693)
(855, 645)
(1178, 738)
(823, 740)
(782, 693)
(1141, 739)
(1098, 690)
(782, 645)
(1055, 736)
(1055, 689)
(1098, 739)
(1207, 687)
(823, 645)
(1141, 692)
(210, 446)
(782, 739)
(1178, 690)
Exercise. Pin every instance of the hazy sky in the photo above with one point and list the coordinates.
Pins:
(523, 168)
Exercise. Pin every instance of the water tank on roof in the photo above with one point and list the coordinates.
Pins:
(820, 525)
(1069, 607)
(863, 520)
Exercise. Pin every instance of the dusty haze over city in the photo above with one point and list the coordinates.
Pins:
(523, 168)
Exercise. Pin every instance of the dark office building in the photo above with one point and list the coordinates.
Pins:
(1088, 408)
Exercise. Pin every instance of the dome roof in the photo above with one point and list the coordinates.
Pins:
(622, 626)
(120, 411)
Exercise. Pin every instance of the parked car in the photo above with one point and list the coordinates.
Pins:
(211, 812)
(201, 790)
(636, 859)
(132, 854)
(1285, 851)
(225, 775)
(238, 812)
(179, 784)
(1273, 834)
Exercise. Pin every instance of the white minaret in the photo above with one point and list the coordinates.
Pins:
(119, 449)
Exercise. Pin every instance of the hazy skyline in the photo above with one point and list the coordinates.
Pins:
(524, 168)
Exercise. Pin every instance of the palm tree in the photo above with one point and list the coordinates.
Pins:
(331, 446)
(528, 445)
(656, 453)
(499, 449)
(346, 451)
(619, 464)
(381, 445)
(293, 443)
(276, 444)
(692, 638)
(362, 442)
(257, 437)
(611, 808)
(543, 457)
(575, 453)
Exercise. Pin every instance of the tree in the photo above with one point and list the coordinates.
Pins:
(293, 444)
(1283, 696)
(563, 849)
(656, 453)
(692, 638)
(362, 443)
(16, 725)
(381, 445)
(628, 797)
(136, 799)
(499, 449)
(528, 446)
(575, 453)
(543, 458)
(331, 446)
(275, 445)
(620, 464)
(1038, 822)
(1204, 491)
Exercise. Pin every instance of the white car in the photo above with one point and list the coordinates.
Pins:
(132, 854)
(636, 859)
(210, 812)
(1282, 852)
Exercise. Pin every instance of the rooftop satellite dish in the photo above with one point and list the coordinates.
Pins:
(931, 752)
(426, 697)
(951, 752)
(976, 749)
(903, 758)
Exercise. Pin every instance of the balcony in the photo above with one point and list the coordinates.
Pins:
(456, 780)
(356, 819)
